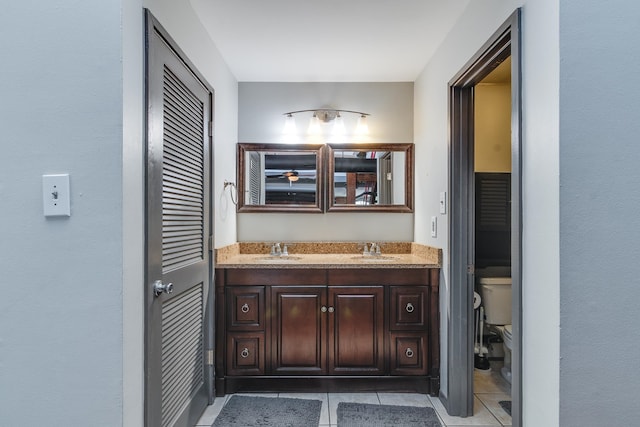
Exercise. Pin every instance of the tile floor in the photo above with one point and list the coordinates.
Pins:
(490, 388)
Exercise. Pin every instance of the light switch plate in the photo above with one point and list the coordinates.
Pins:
(55, 195)
(443, 202)
(434, 226)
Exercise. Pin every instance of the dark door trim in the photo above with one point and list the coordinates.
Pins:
(504, 43)
(156, 35)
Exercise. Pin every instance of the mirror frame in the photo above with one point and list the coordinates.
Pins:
(317, 149)
(407, 148)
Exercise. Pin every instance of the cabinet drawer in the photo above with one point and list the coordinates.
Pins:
(408, 353)
(408, 310)
(245, 353)
(245, 308)
(273, 276)
(378, 276)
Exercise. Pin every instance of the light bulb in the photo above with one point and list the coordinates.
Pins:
(338, 126)
(289, 131)
(314, 125)
(289, 125)
(362, 128)
(338, 133)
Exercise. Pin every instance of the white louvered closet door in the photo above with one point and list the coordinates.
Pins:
(178, 278)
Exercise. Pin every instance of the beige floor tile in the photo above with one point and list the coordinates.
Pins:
(481, 415)
(490, 381)
(324, 412)
(467, 425)
(212, 411)
(254, 394)
(404, 399)
(335, 398)
(491, 401)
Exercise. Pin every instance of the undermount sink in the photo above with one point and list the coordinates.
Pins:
(277, 259)
(374, 258)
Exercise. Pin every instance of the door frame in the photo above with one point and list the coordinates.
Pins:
(506, 41)
(153, 25)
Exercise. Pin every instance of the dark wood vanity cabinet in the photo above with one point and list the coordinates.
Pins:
(327, 329)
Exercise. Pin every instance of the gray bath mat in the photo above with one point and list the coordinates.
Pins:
(506, 405)
(367, 415)
(250, 411)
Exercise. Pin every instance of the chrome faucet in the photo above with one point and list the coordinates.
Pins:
(276, 250)
(365, 250)
(375, 249)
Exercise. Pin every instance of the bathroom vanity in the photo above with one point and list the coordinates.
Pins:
(327, 322)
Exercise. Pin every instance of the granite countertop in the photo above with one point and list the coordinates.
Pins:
(328, 255)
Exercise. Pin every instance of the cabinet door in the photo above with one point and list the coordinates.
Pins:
(356, 321)
(298, 330)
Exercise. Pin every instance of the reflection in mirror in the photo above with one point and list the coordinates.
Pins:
(376, 177)
(279, 178)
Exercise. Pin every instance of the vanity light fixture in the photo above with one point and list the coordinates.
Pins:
(326, 115)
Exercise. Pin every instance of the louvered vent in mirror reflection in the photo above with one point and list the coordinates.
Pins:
(255, 179)
(182, 176)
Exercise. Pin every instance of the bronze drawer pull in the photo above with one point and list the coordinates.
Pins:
(244, 308)
(244, 353)
(409, 308)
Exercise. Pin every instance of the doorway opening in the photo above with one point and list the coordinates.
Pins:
(485, 230)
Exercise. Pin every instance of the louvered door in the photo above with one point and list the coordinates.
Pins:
(178, 380)
(493, 219)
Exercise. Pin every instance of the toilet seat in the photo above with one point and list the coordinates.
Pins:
(506, 332)
(507, 335)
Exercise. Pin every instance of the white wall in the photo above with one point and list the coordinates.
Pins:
(599, 222)
(71, 331)
(260, 119)
(540, 180)
(133, 202)
(61, 281)
(541, 205)
(492, 130)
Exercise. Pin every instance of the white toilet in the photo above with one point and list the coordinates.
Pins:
(495, 293)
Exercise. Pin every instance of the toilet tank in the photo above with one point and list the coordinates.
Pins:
(495, 293)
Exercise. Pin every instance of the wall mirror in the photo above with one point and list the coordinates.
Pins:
(280, 178)
(370, 177)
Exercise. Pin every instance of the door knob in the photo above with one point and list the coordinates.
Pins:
(159, 287)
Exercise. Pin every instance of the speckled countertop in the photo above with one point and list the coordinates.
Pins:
(328, 255)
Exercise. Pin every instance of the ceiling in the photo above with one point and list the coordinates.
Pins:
(330, 40)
